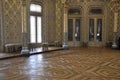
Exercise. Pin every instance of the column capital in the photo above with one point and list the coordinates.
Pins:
(24, 2)
(115, 5)
(63, 1)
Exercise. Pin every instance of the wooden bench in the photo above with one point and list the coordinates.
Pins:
(33, 46)
(12, 47)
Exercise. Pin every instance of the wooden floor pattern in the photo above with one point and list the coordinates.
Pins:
(72, 64)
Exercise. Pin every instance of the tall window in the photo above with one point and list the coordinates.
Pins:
(35, 23)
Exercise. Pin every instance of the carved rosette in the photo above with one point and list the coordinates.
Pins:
(115, 5)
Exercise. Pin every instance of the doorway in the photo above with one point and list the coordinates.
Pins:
(95, 31)
(74, 25)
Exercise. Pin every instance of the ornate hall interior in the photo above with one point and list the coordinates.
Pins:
(59, 39)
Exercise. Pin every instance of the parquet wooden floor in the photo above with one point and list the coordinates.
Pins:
(72, 64)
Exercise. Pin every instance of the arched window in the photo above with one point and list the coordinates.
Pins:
(35, 23)
(35, 8)
(96, 11)
(74, 11)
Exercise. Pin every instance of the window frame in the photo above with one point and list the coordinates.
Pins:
(96, 8)
(36, 15)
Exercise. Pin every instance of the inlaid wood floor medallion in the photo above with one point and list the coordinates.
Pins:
(72, 64)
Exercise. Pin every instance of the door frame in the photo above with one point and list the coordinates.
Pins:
(95, 43)
(75, 43)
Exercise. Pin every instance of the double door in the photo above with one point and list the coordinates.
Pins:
(74, 25)
(95, 31)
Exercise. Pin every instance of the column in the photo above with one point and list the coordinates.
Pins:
(114, 45)
(24, 50)
(65, 24)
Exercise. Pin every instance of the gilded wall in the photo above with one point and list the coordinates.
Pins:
(118, 34)
(59, 21)
(12, 21)
(51, 22)
(52, 19)
(0, 22)
(110, 24)
(11, 24)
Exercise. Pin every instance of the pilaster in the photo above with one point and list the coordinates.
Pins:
(24, 28)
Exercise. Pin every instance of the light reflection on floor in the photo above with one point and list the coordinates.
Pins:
(41, 49)
(36, 50)
(36, 58)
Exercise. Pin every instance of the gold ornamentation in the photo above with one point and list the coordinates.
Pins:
(12, 20)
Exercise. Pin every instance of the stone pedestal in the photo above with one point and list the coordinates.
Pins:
(25, 49)
(65, 45)
(114, 45)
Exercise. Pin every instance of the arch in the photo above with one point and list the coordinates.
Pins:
(75, 10)
(35, 8)
(95, 10)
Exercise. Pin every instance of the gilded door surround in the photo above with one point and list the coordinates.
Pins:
(75, 43)
(97, 16)
(96, 43)
(85, 15)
